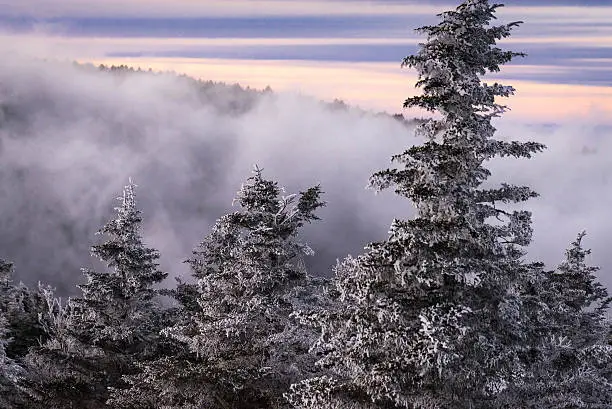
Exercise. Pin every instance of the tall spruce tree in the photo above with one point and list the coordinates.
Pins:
(97, 337)
(249, 278)
(432, 317)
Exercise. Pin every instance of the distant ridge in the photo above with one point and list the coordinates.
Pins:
(243, 97)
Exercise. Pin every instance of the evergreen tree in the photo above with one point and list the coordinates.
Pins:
(170, 379)
(431, 317)
(10, 371)
(96, 338)
(20, 307)
(180, 379)
(6, 291)
(573, 368)
(62, 372)
(249, 276)
(118, 308)
(20, 329)
(167, 379)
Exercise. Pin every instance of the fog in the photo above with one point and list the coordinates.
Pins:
(71, 136)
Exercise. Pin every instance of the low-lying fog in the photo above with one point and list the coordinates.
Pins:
(70, 136)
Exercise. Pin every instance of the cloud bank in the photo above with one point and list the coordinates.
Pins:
(189, 8)
(70, 137)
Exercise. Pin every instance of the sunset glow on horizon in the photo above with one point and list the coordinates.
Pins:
(349, 50)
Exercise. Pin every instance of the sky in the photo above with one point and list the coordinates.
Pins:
(70, 138)
(346, 49)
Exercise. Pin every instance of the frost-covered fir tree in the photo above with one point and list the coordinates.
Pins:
(118, 307)
(569, 339)
(20, 330)
(248, 279)
(180, 379)
(21, 307)
(62, 372)
(97, 337)
(10, 371)
(170, 379)
(431, 317)
(166, 379)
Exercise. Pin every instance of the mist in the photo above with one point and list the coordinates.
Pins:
(70, 136)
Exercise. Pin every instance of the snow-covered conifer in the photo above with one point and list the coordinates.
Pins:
(572, 365)
(11, 372)
(118, 307)
(431, 317)
(21, 330)
(248, 280)
(21, 307)
(164, 379)
(62, 372)
(97, 338)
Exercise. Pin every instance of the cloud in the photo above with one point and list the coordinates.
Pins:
(288, 26)
(537, 12)
(550, 64)
(571, 53)
(70, 137)
(546, 62)
(573, 177)
(558, 15)
(189, 8)
(396, 25)
(551, 87)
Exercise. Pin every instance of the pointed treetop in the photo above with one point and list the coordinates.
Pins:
(126, 224)
(128, 200)
(262, 195)
(579, 278)
(576, 254)
(258, 194)
(458, 50)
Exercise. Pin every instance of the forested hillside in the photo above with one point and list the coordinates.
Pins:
(448, 311)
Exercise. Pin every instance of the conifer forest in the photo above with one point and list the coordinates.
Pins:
(446, 312)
